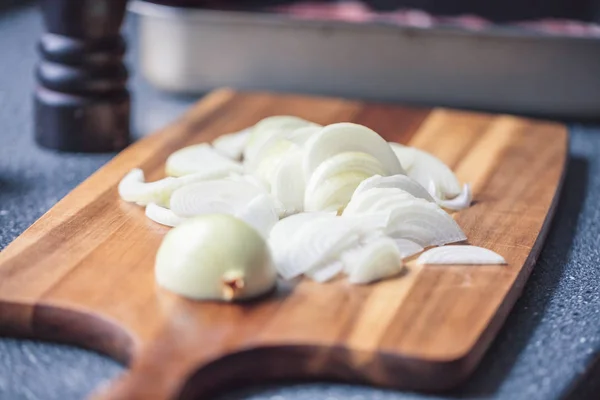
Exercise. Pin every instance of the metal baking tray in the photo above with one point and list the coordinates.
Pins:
(192, 50)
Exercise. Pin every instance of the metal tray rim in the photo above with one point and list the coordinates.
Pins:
(205, 16)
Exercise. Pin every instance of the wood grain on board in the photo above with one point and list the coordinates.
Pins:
(83, 274)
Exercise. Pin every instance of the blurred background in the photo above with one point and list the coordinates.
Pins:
(532, 57)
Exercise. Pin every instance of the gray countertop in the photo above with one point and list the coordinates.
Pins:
(546, 349)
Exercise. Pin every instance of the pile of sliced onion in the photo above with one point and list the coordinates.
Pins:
(332, 201)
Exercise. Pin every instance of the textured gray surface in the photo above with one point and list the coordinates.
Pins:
(545, 347)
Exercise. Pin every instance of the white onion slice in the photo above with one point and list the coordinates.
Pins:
(282, 236)
(376, 200)
(407, 248)
(460, 255)
(213, 197)
(200, 158)
(460, 202)
(269, 159)
(321, 241)
(424, 168)
(265, 129)
(163, 215)
(301, 135)
(334, 193)
(260, 213)
(133, 187)
(334, 181)
(251, 179)
(406, 158)
(344, 137)
(232, 145)
(373, 261)
(401, 182)
(288, 185)
(423, 223)
(285, 230)
(325, 273)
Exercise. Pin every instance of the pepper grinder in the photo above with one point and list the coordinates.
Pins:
(81, 102)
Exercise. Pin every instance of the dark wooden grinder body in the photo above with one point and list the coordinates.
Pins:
(81, 102)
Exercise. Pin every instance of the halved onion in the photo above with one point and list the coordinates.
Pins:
(200, 158)
(215, 257)
(377, 259)
(426, 168)
(134, 188)
(460, 255)
(211, 197)
(163, 215)
(232, 145)
(344, 137)
(402, 182)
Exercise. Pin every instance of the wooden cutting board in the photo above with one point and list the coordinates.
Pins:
(83, 273)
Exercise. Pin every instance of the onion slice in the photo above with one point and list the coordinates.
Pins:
(232, 145)
(269, 127)
(301, 135)
(460, 255)
(163, 215)
(267, 161)
(213, 197)
(415, 219)
(375, 260)
(334, 193)
(424, 223)
(347, 137)
(287, 184)
(406, 157)
(401, 182)
(460, 202)
(200, 158)
(334, 181)
(426, 168)
(260, 214)
(407, 248)
(251, 179)
(134, 188)
(376, 200)
(325, 273)
(321, 241)
(285, 229)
